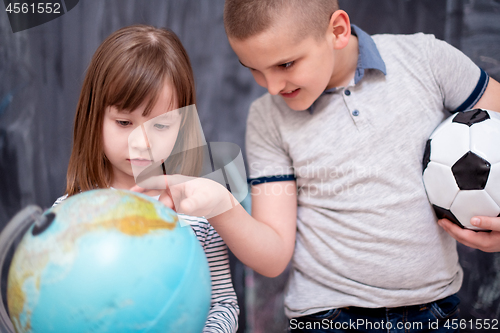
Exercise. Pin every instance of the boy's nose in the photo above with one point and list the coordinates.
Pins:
(274, 85)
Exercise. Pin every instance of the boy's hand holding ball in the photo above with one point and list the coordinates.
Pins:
(484, 241)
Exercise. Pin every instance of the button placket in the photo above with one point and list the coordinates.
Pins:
(352, 108)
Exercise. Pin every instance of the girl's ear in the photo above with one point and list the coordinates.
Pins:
(340, 29)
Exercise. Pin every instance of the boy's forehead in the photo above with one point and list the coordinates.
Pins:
(274, 46)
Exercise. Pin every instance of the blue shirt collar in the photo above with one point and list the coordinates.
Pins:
(369, 58)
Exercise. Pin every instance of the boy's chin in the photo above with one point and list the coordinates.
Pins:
(298, 105)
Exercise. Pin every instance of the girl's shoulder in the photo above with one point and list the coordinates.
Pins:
(195, 222)
(206, 234)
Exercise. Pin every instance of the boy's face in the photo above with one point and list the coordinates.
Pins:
(298, 70)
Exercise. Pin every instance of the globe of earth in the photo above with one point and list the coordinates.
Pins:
(109, 261)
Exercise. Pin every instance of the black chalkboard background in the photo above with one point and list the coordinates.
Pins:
(42, 69)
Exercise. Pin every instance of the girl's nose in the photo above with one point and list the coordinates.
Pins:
(138, 139)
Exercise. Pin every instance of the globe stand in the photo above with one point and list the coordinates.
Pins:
(16, 227)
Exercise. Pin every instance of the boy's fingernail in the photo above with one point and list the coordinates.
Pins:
(475, 221)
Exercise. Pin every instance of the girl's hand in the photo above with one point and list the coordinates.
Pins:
(190, 195)
(484, 241)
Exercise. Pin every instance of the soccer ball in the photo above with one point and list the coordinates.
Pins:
(462, 167)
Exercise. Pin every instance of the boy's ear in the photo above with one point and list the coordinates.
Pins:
(340, 28)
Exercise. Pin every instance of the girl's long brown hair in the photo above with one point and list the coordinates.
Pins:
(128, 70)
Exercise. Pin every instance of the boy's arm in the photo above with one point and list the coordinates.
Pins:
(488, 242)
(264, 241)
(491, 97)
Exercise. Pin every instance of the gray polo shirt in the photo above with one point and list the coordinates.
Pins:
(366, 233)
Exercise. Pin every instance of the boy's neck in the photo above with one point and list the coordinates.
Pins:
(346, 62)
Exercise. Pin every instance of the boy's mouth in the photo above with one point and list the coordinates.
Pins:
(291, 93)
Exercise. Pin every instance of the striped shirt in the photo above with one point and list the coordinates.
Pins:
(224, 309)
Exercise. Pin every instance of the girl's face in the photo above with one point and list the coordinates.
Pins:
(132, 142)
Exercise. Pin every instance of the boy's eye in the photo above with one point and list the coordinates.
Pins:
(161, 126)
(123, 123)
(287, 65)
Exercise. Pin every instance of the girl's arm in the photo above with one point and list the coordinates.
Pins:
(224, 309)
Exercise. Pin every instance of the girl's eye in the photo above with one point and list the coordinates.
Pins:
(123, 123)
(161, 126)
(287, 65)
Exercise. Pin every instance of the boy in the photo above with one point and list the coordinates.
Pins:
(334, 152)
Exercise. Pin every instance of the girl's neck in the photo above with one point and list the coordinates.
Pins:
(122, 186)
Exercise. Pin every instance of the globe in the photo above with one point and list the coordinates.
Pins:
(109, 261)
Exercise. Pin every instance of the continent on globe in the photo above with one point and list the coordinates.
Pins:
(109, 261)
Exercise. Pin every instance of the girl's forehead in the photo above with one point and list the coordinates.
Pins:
(168, 116)
(157, 113)
(157, 98)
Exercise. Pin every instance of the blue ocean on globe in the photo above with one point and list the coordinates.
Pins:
(110, 261)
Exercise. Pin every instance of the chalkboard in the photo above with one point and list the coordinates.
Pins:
(42, 69)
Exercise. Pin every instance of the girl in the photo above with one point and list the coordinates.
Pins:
(135, 112)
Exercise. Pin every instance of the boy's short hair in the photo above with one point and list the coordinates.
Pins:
(247, 18)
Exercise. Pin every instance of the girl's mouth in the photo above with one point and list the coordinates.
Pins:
(139, 162)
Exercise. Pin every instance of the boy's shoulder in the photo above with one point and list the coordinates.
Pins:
(406, 42)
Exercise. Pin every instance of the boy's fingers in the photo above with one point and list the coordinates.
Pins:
(484, 241)
(165, 197)
(187, 206)
(167, 200)
(456, 232)
(138, 189)
(490, 223)
(194, 205)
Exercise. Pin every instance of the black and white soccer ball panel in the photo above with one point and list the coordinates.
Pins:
(462, 166)
(468, 204)
(450, 143)
(485, 138)
(493, 184)
(440, 184)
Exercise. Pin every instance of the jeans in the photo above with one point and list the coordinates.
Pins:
(431, 317)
